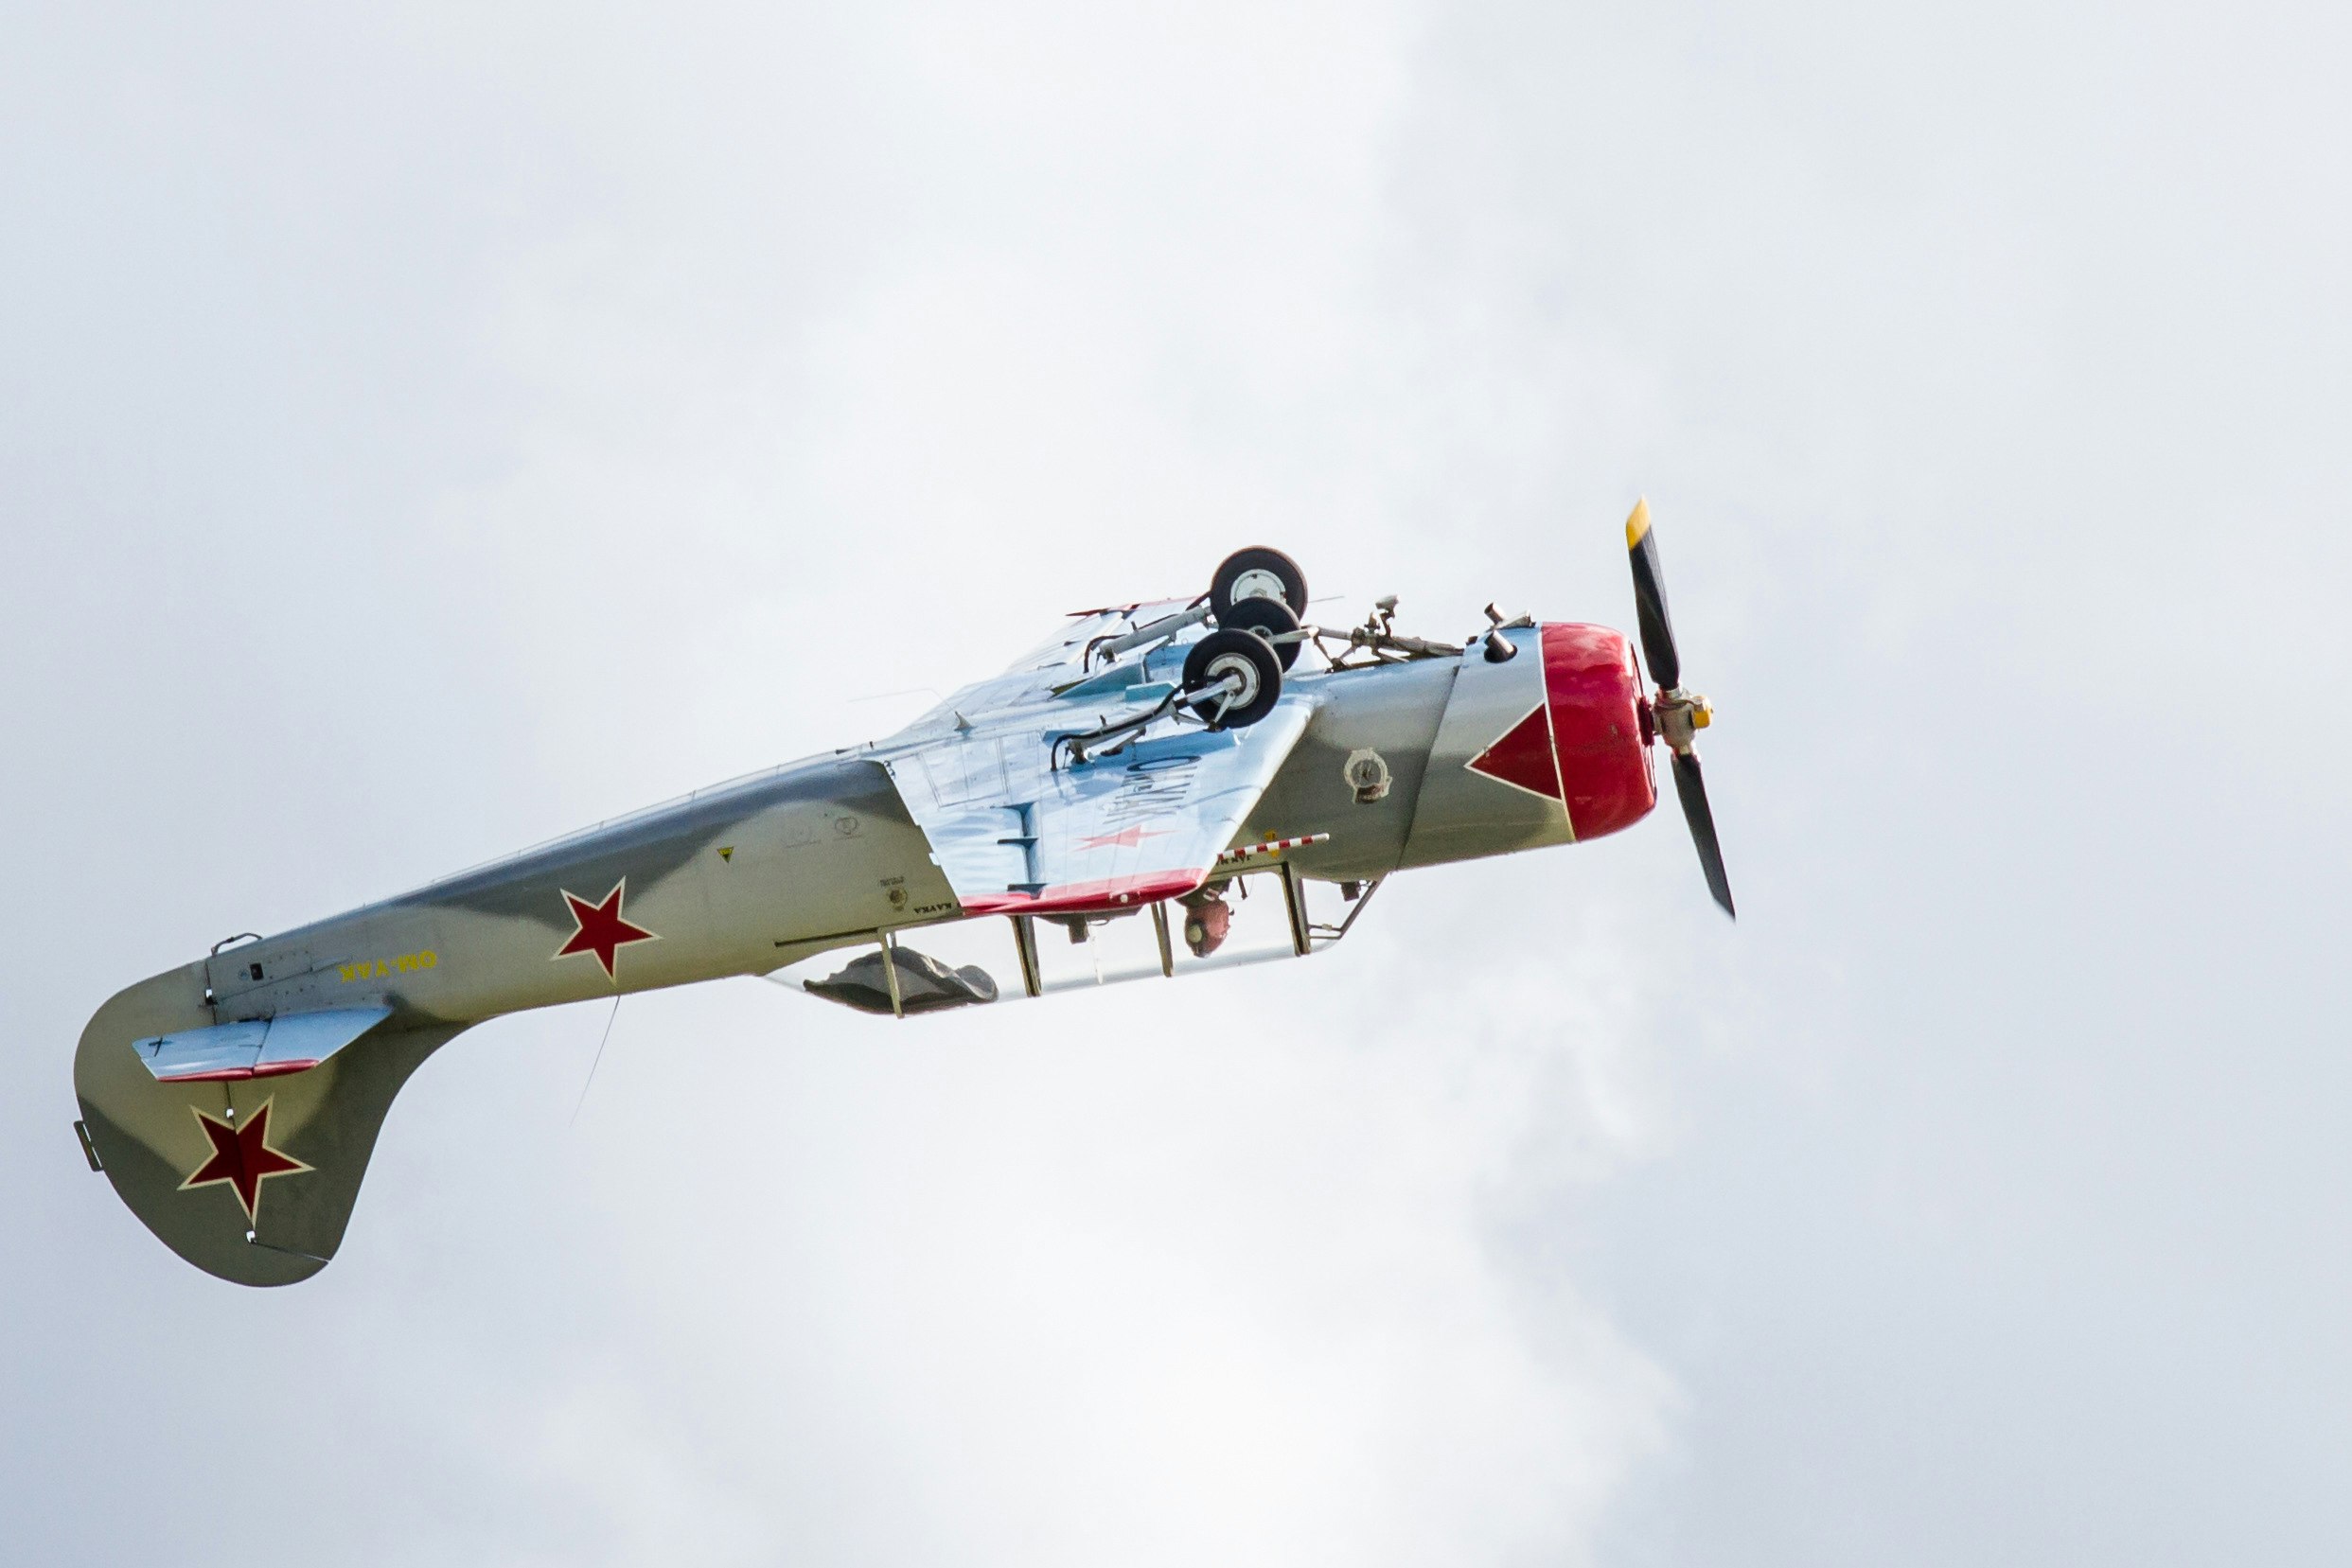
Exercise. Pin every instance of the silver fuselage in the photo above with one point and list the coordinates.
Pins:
(738, 879)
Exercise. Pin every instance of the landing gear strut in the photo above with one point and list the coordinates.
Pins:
(1271, 619)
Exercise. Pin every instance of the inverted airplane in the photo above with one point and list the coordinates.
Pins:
(1125, 785)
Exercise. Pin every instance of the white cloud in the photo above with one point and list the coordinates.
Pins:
(432, 433)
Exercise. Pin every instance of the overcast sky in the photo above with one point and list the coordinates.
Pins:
(423, 434)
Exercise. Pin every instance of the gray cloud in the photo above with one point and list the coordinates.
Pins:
(431, 433)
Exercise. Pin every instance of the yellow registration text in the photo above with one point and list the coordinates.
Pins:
(368, 969)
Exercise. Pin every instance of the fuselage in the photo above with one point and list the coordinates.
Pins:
(1401, 765)
(747, 875)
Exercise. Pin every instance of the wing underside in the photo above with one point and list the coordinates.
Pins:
(1015, 834)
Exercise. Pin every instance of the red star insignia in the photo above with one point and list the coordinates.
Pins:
(1126, 839)
(600, 928)
(242, 1157)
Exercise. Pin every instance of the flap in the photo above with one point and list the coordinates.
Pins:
(259, 1048)
(1144, 823)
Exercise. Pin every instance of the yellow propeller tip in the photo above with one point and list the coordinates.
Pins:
(1637, 525)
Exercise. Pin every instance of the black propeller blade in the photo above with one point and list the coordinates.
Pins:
(1657, 629)
(1680, 714)
(1691, 785)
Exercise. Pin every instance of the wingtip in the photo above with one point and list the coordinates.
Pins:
(1637, 525)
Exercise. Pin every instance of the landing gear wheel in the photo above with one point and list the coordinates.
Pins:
(1269, 618)
(1241, 674)
(1208, 919)
(1257, 573)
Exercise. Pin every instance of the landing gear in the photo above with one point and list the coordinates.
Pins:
(1232, 678)
(1271, 619)
(1208, 920)
(1257, 573)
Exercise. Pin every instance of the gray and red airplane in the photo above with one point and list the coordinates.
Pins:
(1125, 786)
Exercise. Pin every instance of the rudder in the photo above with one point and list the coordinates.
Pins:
(250, 1179)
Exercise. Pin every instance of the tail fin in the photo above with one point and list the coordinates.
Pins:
(252, 1179)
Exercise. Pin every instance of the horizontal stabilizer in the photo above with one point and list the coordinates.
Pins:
(249, 1166)
(260, 1047)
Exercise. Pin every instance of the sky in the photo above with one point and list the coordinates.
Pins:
(428, 431)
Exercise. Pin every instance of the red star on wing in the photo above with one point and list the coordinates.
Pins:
(600, 928)
(1126, 839)
(242, 1157)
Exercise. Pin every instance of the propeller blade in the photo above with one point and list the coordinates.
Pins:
(1691, 785)
(1657, 631)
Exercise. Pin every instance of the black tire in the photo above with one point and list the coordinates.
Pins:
(1257, 572)
(1267, 618)
(1228, 651)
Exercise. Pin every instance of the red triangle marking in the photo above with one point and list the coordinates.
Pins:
(1522, 757)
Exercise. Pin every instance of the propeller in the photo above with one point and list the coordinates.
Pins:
(1681, 715)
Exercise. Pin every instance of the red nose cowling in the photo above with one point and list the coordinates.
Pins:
(1599, 727)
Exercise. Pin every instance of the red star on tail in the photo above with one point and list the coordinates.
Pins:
(242, 1157)
(601, 929)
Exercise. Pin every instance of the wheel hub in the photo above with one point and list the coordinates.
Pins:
(1241, 678)
(1257, 584)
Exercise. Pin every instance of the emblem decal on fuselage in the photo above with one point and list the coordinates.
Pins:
(598, 928)
(241, 1156)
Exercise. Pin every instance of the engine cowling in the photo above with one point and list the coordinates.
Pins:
(1601, 727)
(1544, 746)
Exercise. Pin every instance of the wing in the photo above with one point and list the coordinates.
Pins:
(1049, 667)
(1059, 653)
(1016, 835)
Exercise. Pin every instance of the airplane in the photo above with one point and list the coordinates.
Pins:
(1127, 784)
